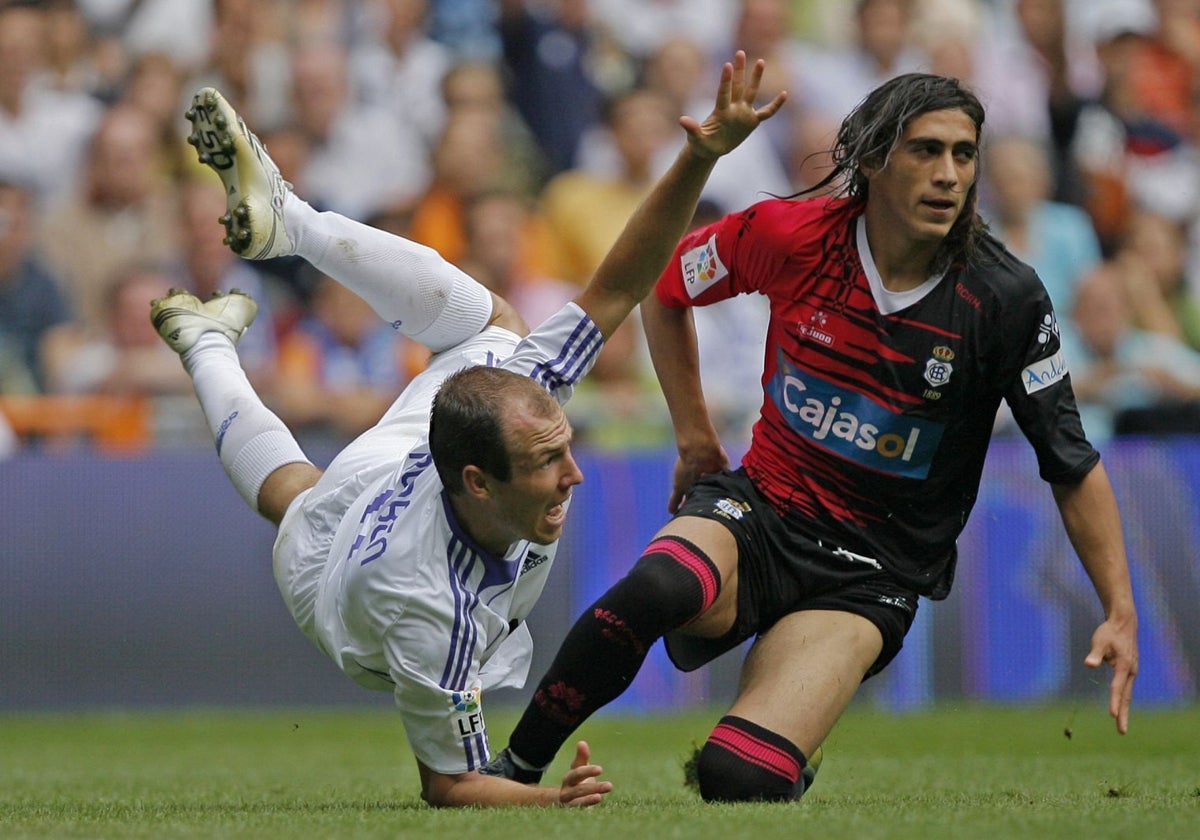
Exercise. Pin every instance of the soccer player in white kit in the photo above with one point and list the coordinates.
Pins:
(413, 559)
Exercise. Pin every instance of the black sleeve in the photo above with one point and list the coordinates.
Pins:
(1039, 388)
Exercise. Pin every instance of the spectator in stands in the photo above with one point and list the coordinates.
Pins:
(1127, 155)
(74, 54)
(31, 302)
(503, 252)
(155, 85)
(249, 60)
(360, 157)
(834, 79)
(485, 147)
(340, 366)
(1035, 67)
(1165, 67)
(1154, 256)
(559, 66)
(124, 211)
(1057, 239)
(1127, 378)
(640, 28)
(587, 208)
(43, 132)
(122, 355)
(402, 71)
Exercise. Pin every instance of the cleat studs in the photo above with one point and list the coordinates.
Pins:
(189, 114)
(220, 122)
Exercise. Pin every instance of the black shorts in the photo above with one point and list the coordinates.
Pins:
(781, 571)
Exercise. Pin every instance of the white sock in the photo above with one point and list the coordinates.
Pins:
(251, 441)
(409, 285)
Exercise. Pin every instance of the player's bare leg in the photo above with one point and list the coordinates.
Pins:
(798, 679)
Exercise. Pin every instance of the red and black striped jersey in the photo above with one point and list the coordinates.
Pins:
(878, 408)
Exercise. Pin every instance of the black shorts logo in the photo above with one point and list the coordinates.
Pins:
(729, 509)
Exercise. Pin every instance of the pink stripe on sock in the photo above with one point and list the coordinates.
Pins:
(696, 563)
(756, 751)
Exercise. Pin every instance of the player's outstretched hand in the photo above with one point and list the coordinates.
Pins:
(580, 787)
(734, 116)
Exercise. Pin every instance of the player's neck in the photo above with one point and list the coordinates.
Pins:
(903, 262)
(481, 525)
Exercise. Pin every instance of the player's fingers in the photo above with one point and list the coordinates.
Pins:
(583, 754)
(771, 108)
(1121, 698)
(738, 79)
(750, 92)
(724, 87)
(690, 124)
(586, 799)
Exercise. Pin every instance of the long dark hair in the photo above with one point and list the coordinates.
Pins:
(871, 131)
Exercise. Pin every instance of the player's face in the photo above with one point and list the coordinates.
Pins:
(543, 474)
(922, 189)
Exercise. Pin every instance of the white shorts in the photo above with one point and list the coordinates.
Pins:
(311, 522)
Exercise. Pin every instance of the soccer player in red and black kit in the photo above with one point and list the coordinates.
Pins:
(898, 324)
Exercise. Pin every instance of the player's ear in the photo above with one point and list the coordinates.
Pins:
(476, 483)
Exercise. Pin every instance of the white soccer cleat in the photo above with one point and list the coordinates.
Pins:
(181, 317)
(254, 188)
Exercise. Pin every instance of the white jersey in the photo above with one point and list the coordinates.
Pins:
(378, 573)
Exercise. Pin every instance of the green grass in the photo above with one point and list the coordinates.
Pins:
(953, 773)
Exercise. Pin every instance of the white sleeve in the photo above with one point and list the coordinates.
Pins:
(445, 726)
(559, 352)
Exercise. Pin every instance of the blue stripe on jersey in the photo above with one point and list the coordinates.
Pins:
(565, 369)
(475, 750)
(463, 633)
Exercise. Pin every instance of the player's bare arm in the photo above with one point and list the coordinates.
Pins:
(671, 338)
(581, 787)
(634, 262)
(1093, 523)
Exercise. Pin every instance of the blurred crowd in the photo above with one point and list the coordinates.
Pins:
(516, 137)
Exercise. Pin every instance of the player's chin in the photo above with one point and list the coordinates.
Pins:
(550, 527)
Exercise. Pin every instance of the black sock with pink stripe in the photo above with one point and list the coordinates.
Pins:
(743, 762)
(672, 583)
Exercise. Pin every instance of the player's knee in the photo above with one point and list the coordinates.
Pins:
(675, 579)
(744, 762)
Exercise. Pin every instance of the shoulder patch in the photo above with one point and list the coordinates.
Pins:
(702, 267)
(1044, 373)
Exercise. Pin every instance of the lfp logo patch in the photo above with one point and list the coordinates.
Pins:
(466, 701)
(468, 712)
(702, 267)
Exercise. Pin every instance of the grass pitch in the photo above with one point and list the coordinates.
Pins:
(953, 773)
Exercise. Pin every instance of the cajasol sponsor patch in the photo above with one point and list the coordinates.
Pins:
(853, 426)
